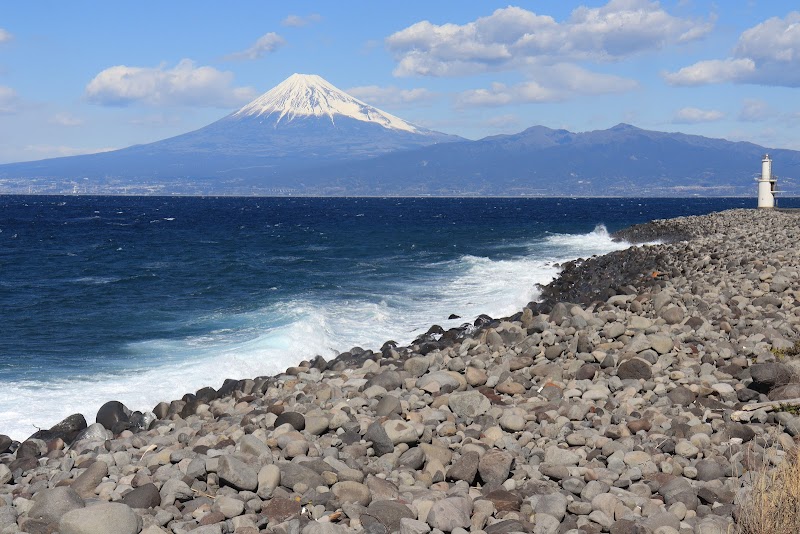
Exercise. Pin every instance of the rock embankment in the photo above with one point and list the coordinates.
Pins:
(616, 405)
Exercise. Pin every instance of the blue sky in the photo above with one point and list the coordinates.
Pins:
(84, 76)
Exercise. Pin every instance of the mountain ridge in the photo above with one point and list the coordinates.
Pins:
(306, 137)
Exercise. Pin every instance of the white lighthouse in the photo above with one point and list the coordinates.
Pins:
(766, 184)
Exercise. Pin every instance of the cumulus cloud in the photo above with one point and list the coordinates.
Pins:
(713, 71)
(766, 54)
(695, 115)
(182, 85)
(5, 36)
(754, 110)
(8, 100)
(514, 36)
(384, 96)
(65, 119)
(552, 84)
(266, 44)
(500, 94)
(297, 21)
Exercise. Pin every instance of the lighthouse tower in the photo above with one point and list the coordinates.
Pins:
(766, 184)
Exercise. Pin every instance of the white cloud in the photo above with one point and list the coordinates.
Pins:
(384, 96)
(766, 54)
(57, 151)
(65, 119)
(182, 85)
(712, 71)
(754, 110)
(514, 36)
(695, 115)
(297, 21)
(502, 95)
(266, 44)
(552, 84)
(5, 36)
(8, 100)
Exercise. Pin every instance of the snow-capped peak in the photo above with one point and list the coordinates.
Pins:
(302, 95)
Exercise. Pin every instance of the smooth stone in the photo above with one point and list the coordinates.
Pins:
(468, 404)
(280, 509)
(634, 369)
(512, 422)
(450, 513)
(389, 404)
(413, 526)
(494, 467)
(465, 468)
(351, 492)
(387, 514)
(145, 496)
(400, 431)
(682, 396)
(236, 473)
(112, 415)
(686, 449)
(269, 478)
(295, 473)
(297, 420)
(87, 482)
(554, 455)
(97, 518)
(381, 442)
(228, 506)
(660, 343)
(51, 504)
(672, 314)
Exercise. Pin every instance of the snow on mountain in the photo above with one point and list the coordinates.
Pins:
(309, 95)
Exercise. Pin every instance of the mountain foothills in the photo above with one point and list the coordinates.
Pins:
(307, 137)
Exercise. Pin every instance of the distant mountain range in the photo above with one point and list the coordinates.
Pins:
(306, 137)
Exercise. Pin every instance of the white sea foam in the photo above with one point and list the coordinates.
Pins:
(268, 340)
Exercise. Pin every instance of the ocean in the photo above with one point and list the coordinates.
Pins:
(143, 299)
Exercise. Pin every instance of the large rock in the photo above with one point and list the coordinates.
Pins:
(767, 376)
(51, 504)
(400, 431)
(468, 404)
(88, 481)
(494, 467)
(297, 420)
(269, 478)
(145, 496)
(388, 514)
(101, 519)
(114, 416)
(294, 473)
(349, 491)
(236, 473)
(635, 369)
(465, 468)
(785, 392)
(381, 443)
(450, 513)
(66, 430)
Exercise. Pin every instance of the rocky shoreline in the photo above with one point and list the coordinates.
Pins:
(620, 402)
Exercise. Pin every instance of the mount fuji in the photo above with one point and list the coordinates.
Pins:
(303, 123)
(306, 137)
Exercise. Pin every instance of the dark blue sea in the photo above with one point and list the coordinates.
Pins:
(142, 299)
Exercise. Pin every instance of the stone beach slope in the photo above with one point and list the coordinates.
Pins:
(617, 403)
